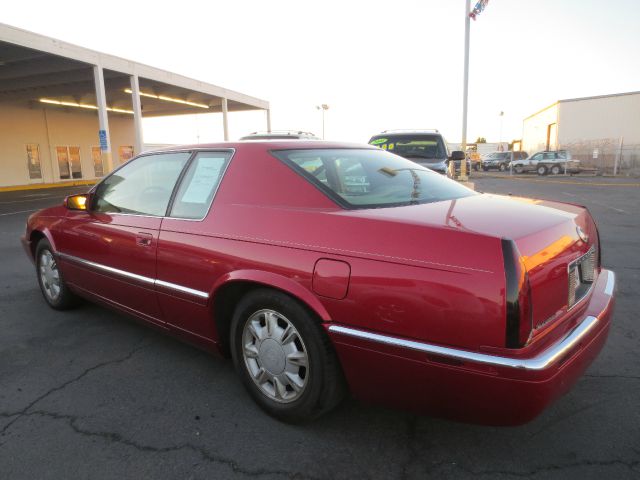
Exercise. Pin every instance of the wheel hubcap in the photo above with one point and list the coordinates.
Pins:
(275, 356)
(49, 275)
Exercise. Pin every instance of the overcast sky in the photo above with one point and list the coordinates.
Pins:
(378, 65)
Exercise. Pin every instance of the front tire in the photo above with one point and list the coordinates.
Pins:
(502, 167)
(519, 169)
(542, 170)
(52, 285)
(284, 357)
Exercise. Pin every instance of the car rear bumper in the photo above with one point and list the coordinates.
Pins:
(474, 386)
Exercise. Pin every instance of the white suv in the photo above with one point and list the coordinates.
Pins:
(554, 162)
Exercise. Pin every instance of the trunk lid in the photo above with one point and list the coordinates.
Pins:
(550, 237)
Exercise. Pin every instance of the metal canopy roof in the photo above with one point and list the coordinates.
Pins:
(33, 67)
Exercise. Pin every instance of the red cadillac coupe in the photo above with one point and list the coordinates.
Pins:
(322, 268)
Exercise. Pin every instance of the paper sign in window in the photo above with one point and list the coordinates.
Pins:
(204, 180)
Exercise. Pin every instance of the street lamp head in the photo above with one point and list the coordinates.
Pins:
(324, 106)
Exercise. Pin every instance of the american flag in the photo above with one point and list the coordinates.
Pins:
(477, 10)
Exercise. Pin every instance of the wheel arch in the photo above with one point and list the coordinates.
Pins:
(228, 290)
(38, 234)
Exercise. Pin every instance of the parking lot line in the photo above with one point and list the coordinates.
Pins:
(20, 211)
(30, 199)
(568, 182)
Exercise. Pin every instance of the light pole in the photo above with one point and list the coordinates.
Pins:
(324, 107)
(501, 115)
(465, 91)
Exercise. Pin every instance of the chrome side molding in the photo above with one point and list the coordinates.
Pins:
(134, 276)
(180, 288)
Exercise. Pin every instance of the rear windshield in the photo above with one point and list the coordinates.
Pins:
(499, 155)
(412, 145)
(370, 178)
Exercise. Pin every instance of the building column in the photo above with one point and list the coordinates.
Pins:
(137, 113)
(103, 119)
(268, 120)
(225, 124)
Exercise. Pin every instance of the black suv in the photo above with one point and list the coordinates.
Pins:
(501, 160)
(425, 147)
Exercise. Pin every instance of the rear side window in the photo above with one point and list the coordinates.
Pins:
(371, 178)
(198, 187)
(141, 187)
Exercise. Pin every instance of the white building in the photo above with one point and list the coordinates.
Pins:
(70, 114)
(599, 131)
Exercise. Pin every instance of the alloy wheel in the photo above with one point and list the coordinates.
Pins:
(49, 275)
(275, 356)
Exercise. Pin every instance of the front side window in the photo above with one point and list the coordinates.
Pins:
(196, 191)
(366, 178)
(537, 156)
(141, 187)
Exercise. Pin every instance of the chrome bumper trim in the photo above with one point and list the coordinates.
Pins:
(611, 282)
(134, 276)
(541, 361)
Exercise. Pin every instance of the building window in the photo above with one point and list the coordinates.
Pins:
(125, 153)
(33, 161)
(69, 164)
(96, 155)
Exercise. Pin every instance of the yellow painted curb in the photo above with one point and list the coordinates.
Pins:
(38, 186)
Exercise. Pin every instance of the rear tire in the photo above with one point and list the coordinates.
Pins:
(502, 167)
(555, 170)
(284, 357)
(542, 170)
(52, 285)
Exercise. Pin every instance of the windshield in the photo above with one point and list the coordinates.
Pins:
(415, 146)
(371, 178)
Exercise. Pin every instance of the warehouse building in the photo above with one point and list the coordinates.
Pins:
(70, 114)
(603, 132)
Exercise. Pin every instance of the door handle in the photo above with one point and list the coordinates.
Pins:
(144, 239)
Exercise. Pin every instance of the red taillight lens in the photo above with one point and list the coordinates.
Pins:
(519, 310)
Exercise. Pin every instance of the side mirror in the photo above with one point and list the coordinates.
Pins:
(457, 155)
(77, 202)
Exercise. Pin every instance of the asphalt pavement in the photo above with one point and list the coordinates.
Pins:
(91, 394)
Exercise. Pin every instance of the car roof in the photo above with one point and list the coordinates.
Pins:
(266, 145)
(391, 133)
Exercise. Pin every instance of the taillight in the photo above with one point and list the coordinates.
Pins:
(519, 310)
(599, 258)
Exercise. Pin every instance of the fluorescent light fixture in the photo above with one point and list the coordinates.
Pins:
(169, 99)
(83, 105)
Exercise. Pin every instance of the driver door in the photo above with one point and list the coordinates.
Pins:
(110, 251)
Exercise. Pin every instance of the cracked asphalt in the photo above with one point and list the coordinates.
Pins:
(91, 394)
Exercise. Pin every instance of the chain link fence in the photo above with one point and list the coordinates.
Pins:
(606, 156)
